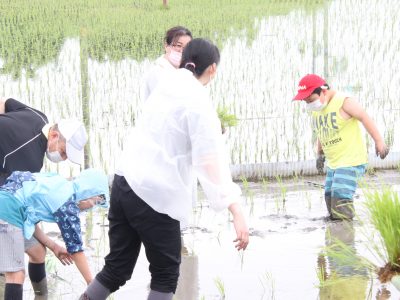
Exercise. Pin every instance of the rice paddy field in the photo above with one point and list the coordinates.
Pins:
(86, 59)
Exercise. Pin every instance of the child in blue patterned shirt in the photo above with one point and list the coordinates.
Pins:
(28, 198)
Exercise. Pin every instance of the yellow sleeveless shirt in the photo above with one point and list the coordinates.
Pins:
(342, 140)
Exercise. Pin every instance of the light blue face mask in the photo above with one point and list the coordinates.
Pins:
(316, 105)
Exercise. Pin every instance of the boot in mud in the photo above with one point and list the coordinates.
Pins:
(328, 202)
(40, 288)
(342, 209)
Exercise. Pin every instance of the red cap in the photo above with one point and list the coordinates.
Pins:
(307, 85)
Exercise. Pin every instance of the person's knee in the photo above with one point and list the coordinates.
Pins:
(112, 280)
(15, 277)
(164, 282)
(36, 253)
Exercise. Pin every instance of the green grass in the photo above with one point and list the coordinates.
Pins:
(33, 31)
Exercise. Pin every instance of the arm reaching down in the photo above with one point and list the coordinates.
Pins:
(60, 252)
(82, 264)
(242, 231)
(211, 167)
(355, 110)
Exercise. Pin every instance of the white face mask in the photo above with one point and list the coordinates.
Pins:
(54, 156)
(316, 105)
(175, 57)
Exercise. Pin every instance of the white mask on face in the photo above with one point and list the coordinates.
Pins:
(54, 156)
(175, 57)
(316, 105)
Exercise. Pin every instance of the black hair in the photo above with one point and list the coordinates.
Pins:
(174, 33)
(318, 90)
(198, 55)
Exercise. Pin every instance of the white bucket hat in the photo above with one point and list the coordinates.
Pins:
(75, 137)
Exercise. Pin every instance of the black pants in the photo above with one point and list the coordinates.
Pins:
(133, 222)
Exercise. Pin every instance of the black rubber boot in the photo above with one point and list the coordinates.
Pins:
(328, 202)
(40, 288)
(342, 209)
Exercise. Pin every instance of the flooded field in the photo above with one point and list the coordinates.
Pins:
(283, 261)
(80, 60)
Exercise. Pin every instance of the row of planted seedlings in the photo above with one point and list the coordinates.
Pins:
(251, 149)
(32, 32)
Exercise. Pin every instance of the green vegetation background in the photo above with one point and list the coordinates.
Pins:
(33, 31)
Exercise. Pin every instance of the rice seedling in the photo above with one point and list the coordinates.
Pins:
(51, 263)
(227, 119)
(249, 194)
(265, 190)
(281, 205)
(389, 137)
(241, 256)
(370, 171)
(264, 185)
(307, 196)
(321, 271)
(384, 210)
(220, 287)
(268, 284)
(219, 238)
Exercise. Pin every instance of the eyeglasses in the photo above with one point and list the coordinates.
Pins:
(178, 47)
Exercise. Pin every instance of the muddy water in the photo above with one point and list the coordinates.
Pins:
(288, 233)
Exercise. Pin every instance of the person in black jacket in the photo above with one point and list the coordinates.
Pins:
(26, 136)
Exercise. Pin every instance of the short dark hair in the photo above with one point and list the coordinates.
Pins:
(174, 33)
(198, 55)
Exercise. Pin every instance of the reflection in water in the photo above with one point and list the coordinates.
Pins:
(188, 283)
(342, 277)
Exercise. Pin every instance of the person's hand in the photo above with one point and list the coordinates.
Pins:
(239, 222)
(62, 254)
(381, 150)
(320, 163)
(242, 232)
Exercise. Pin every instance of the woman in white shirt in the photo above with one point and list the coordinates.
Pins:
(175, 40)
(177, 137)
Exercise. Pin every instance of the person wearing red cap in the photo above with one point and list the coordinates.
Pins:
(335, 120)
(25, 138)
